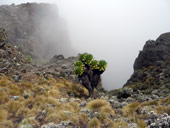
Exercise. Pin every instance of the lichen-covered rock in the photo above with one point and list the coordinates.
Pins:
(63, 100)
(158, 121)
(132, 125)
(63, 124)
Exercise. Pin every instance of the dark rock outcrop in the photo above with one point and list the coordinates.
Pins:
(152, 66)
(36, 29)
(154, 52)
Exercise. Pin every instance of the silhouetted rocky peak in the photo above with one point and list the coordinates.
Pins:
(154, 52)
(152, 66)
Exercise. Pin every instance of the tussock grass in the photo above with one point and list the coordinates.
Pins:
(94, 123)
(165, 101)
(129, 110)
(3, 114)
(6, 124)
(141, 124)
(97, 104)
(107, 114)
(44, 95)
(4, 97)
(163, 109)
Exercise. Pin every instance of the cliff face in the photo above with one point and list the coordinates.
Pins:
(152, 66)
(154, 52)
(36, 28)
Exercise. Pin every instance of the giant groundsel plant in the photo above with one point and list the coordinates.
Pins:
(89, 71)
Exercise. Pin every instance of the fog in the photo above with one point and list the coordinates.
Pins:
(114, 30)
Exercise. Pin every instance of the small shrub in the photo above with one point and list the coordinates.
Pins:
(28, 59)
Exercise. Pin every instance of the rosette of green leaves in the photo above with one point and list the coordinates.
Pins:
(79, 64)
(88, 59)
(82, 57)
(94, 64)
(78, 70)
(102, 65)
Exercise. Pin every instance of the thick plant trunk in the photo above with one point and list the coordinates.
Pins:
(84, 79)
(90, 79)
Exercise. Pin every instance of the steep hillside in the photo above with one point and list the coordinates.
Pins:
(37, 29)
(49, 96)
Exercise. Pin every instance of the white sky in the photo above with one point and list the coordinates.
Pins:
(114, 30)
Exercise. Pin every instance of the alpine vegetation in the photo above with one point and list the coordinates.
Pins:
(89, 71)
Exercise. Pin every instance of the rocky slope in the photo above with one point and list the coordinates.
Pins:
(49, 96)
(36, 29)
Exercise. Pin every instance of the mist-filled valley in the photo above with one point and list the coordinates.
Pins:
(112, 30)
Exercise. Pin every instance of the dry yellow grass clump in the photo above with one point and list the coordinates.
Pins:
(29, 98)
(141, 124)
(94, 123)
(107, 114)
(37, 100)
(121, 124)
(97, 104)
(129, 110)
